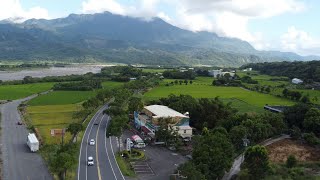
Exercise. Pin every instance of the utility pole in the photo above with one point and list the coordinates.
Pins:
(62, 135)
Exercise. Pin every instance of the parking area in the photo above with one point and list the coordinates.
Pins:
(160, 162)
(142, 168)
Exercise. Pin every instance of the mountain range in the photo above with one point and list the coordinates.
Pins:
(106, 37)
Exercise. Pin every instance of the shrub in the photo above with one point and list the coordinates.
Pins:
(311, 139)
(291, 161)
(295, 132)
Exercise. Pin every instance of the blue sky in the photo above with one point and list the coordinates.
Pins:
(285, 25)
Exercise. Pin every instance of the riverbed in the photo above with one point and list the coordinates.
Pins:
(52, 71)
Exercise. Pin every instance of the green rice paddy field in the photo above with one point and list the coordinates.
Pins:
(244, 100)
(55, 110)
(48, 117)
(11, 92)
(62, 97)
(111, 84)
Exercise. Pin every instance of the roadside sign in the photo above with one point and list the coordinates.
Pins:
(128, 146)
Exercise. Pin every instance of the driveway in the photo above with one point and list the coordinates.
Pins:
(18, 162)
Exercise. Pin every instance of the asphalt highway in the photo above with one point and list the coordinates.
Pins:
(103, 152)
(19, 163)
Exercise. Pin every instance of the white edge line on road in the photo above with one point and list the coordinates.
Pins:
(98, 114)
(88, 142)
(79, 163)
(116, 160)
(105, 144)
(97, 156)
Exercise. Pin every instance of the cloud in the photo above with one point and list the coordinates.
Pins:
(300, 41)
(98, 6)
(13, 9)
(247, 8)
(143, 8)
(231, 17)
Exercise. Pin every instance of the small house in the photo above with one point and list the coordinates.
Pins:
(296, 81)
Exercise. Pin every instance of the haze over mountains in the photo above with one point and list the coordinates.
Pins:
(106, 37)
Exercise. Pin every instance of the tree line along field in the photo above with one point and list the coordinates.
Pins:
(201, 88)
(11, 92)
(277, 86)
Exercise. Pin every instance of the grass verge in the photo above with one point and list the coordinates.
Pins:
(125, 166)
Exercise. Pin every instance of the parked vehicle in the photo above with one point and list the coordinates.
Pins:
(137, 142)
(90, 161)
(33, 142)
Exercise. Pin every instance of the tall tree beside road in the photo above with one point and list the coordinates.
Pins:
(237, 133)
(135, 104)
(63, 159)
(117, 124)
(256, 161)
(213, 154)
(74, 129)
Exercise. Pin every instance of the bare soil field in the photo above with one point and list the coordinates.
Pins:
(279, 151)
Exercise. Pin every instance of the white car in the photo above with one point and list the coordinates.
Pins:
(92, 142)
(90, 161)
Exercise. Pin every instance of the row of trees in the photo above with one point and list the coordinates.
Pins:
(295, 95)
(203, 112)
(67, 78)
(308, 71)
(86, 85)
(248, 80)
(177, 74)
(123, 73)
(180, 82)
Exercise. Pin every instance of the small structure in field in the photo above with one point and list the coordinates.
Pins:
(296, 81)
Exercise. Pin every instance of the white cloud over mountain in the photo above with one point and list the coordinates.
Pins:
(13, 9)
(300, 41)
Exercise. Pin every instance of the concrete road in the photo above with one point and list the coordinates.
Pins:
(235, 169)
(103, 152)
(18, 162)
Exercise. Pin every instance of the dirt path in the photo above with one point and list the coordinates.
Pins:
(235, 169)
